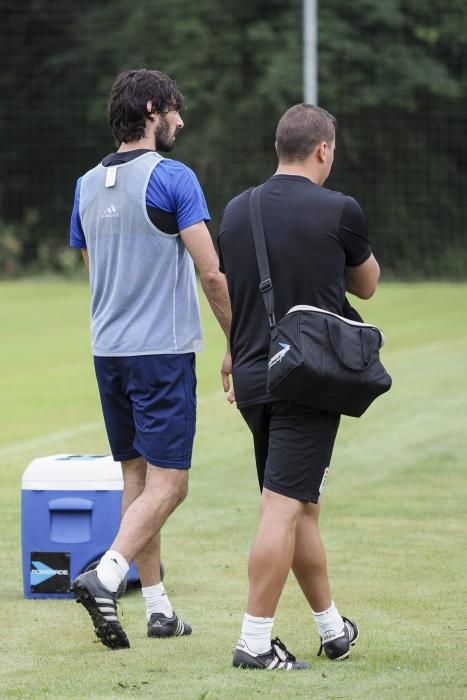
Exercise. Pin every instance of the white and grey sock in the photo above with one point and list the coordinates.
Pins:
(256, 633)
(112, 569)
(156, 600)
(329, 621)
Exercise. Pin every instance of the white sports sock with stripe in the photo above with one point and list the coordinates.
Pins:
(329, 621)
(112, 569)
(256, 633)
(156, 600)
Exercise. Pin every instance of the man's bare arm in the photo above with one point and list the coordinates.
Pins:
(198, 242)
(362, 280)
(85, 255)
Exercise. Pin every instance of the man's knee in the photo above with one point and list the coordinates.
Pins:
(181, 491)
(174, 494)
(134, 480)
(276, 505)
(134, 470)
(170, 485)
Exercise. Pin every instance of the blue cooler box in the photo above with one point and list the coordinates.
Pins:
(70, 514)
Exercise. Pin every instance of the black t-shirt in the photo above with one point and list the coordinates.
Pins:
(312, 234)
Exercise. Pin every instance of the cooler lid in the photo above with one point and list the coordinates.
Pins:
(73, 472)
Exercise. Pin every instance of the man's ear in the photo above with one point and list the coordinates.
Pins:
(321, 151)
(149, 110)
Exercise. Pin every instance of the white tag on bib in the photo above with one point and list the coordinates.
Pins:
(110, 176)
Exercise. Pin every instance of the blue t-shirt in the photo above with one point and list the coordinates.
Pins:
(173, 188)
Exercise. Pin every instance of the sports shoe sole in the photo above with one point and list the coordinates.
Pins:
(111, 637)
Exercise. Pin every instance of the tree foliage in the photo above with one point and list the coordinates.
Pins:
(392, 71)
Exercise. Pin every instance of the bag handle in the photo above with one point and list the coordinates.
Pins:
(265, 284)
(354, 368)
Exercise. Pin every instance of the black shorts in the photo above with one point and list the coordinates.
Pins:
(293, 447)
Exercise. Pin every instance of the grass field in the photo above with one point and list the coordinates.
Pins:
(394, 519)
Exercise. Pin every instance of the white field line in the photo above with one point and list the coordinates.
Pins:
(83, 428)
(25, 445)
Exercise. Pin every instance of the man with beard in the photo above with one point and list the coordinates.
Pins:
(139, 220)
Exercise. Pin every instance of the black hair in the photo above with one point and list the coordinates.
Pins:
(131, 91)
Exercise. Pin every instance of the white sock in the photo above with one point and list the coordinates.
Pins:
(256, 633)
(156, 600)
(329, 621)
(112, 569)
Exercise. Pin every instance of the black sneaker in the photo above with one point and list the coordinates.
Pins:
(160, 625)
(277, 657)
(337, 646)
(101, 604)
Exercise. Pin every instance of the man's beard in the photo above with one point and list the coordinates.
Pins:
(164, 141)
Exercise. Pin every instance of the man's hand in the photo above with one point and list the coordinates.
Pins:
(226, 371)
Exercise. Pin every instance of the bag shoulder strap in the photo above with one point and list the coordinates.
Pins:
(265, 284)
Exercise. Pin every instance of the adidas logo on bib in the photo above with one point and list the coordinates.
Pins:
(110, 213)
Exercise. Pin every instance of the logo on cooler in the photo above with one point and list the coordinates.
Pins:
(42, 572)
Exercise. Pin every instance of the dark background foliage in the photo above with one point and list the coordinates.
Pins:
(392, 71)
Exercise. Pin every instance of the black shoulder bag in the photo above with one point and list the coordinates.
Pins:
(318, 358)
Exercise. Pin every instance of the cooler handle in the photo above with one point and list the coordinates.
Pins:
(71, 504)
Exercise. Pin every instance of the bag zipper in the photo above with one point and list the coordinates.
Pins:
(359, 324)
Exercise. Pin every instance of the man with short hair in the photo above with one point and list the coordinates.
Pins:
(318, 249)
(140, 221)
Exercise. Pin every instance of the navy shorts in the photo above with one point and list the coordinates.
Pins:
(149, 407)
(293, 447)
